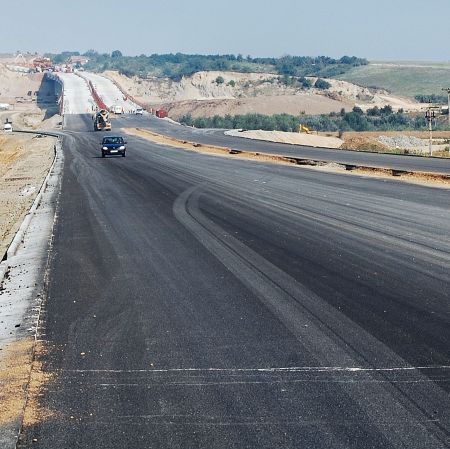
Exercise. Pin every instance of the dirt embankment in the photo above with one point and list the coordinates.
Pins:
(311, 140)
(24, 159)
(24, 163)
(28, 100)
(267, 105)
(206, 94)
(18, 87)
(398, 142)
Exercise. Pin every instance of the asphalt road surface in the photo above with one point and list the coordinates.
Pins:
(217, 137)
(197, 301)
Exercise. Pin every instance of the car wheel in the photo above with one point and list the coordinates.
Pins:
(103, 154)
(123, 154)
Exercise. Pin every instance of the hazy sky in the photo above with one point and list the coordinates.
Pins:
(376, 29)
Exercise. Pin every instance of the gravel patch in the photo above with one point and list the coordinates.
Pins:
(402, 141)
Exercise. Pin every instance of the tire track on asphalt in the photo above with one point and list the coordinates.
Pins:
(333, 339)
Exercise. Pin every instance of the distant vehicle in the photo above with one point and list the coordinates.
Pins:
(117, 109)
(7, 127)
(4, 106)
(139, 111)
(101, 121)
(161, 113)
(113, 145)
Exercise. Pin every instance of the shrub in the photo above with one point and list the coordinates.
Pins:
(423, 98)
(322, 84)
(306, 83)
(374, 112)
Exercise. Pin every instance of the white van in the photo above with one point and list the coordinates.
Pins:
(7, 128)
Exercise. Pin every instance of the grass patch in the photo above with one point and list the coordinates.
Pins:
(402, 78)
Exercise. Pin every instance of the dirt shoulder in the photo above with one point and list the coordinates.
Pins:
(24, 163)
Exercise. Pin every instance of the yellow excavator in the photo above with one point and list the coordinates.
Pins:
(303, 129)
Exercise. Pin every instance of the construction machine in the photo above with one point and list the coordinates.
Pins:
(101, 121)
(303, 129)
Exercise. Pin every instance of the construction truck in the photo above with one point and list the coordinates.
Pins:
(101, 121)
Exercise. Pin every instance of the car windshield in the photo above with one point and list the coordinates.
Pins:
(116, 140)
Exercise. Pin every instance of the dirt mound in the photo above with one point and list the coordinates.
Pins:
(397, 142)
(364, 144)
(268, 105)
(311, 140)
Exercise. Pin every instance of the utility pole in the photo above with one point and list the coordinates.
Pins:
(448, 98)
(430, 115)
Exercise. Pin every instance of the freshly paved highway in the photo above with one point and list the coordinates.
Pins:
(203, 302)
(217, 137)
(77, 96)
(109, 92)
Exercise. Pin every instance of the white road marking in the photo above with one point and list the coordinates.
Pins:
(267, 370)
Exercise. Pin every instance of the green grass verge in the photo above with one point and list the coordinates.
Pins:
(402, 78)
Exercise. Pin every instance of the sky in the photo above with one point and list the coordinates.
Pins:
(374, 29)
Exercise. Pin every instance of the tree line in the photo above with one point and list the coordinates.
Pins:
(375, 119)
(178, 65)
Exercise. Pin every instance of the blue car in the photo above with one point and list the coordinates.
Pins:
(113, 145)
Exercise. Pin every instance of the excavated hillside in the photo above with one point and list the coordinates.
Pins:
(206, 94)
(15, 86)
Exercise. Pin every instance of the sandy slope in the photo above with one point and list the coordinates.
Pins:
(312, 140)
(14, 84)
(268, 105)
(241, 93)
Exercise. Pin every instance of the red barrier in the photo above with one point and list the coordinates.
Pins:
(96, 97)
(98, 101)
(160, 113)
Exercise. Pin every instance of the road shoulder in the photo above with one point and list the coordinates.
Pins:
(21, 296)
